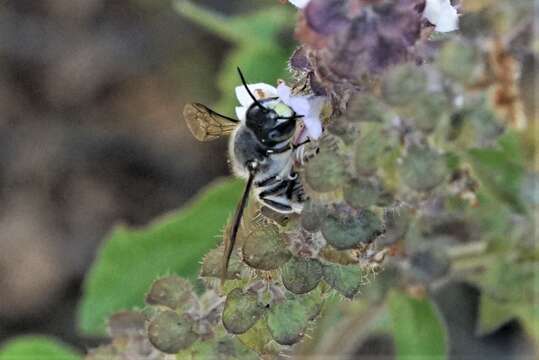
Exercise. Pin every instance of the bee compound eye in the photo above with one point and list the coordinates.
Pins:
(274, 134)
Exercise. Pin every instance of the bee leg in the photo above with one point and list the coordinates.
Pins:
(305, 153)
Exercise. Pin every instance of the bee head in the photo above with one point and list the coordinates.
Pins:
(271, 121)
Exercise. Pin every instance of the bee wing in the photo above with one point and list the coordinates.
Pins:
(206, 124)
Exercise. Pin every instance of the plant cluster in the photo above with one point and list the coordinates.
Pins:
(424, 175)
(420, 158)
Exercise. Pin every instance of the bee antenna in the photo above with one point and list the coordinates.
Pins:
(248, 90)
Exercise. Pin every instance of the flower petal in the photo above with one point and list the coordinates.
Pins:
(240, 112)
(284, 92)
(245, 99)
(441, 14)
(299, 3)
(449, 21)
(300, 105)
(313, 127)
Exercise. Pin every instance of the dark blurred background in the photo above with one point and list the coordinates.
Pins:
(91, 93)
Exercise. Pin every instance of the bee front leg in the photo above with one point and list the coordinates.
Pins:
(304, 152)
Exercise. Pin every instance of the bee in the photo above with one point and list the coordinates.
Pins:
(261, 150)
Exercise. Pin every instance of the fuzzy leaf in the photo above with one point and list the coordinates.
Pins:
(417, 328)
(36, 347)
(131, 259)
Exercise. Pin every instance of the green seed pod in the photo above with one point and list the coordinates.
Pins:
(345, 130)
(422, 169)
(362, 192)
(170, 332)
(403, 84)
(258, 338)
(458, 60)
(473, 126)
(301, 275)
(311, 216)
(371, 143)
(427, 111)
(265, 249)
(396, 224)
(347, 228)
(346, 279)
(429, 264)
(365, 107)
(242, 310)
(288, 320)
(326, 171)
(172, 292)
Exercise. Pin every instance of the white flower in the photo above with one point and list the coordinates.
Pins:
(441, 14)
(259, 90)
(309, 107)
(299, 3)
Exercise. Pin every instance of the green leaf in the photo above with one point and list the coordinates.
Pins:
(417, 328)
(131, 259)
(253, 29)
(259, 51)
(257, 64)
(37, 347)
(500, 171)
